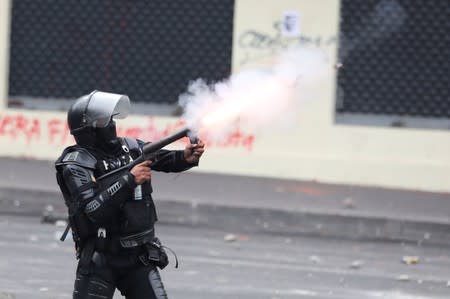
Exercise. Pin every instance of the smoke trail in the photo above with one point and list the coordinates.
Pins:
(256, 99)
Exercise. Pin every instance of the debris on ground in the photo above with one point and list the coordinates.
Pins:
(403, 277)
(243, 237)
(235, 237)
(349, 203)
(410, 260)
(49, 208)
(33, 238)
(315, 259)
(356, 264)
(230, 238)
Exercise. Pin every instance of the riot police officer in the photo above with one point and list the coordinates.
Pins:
(112, 223)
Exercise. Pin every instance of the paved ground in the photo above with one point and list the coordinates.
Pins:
(249, 204)
(34, 264)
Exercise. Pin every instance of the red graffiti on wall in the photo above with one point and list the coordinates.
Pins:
(17, 126)
(55, 131)
(58, 131)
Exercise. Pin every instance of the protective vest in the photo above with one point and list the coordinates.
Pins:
(131, 224)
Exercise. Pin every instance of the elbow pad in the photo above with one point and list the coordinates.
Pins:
(75, 177)
(99, 203)
(109, 200)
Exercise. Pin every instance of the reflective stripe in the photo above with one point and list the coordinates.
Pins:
(92, 206)
(156, 283)
(114, 188)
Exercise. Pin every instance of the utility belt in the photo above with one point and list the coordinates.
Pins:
(142, 248)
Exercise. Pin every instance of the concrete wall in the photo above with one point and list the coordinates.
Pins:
(315, 149)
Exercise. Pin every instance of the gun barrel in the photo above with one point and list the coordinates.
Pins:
(150, 148)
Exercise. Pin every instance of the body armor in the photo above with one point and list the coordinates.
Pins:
(112, 219)
(116, 204)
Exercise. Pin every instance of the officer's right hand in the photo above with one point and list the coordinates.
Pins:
(142, 172)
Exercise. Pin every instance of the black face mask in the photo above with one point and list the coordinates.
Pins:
(85, 137)
(107, 138)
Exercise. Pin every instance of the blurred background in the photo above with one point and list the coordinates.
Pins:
(367, 160)
(149, 50)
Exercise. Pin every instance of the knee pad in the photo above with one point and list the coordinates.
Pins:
(89, 286)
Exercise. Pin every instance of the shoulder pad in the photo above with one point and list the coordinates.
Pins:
(131, 143)
(80, 157)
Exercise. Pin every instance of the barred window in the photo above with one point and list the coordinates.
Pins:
(396, 56)
(149, 50)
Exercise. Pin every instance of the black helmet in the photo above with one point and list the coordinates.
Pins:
(90, 118)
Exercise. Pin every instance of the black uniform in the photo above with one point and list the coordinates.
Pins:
(113, 228)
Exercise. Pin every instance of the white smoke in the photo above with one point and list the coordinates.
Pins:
(257, 99)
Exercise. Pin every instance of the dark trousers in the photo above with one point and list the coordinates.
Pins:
(137, 281)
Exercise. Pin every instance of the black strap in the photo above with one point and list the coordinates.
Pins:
(66, 231)
(173, 252)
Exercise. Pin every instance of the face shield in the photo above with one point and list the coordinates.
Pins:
(102, 106)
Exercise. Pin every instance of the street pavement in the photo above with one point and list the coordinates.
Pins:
(253, 204)
(217, 264)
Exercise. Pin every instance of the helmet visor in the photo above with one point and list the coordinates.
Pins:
(103, 106)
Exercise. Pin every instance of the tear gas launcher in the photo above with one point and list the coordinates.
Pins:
(150, 150)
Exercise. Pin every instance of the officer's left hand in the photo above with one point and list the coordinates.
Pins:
(193, 152)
